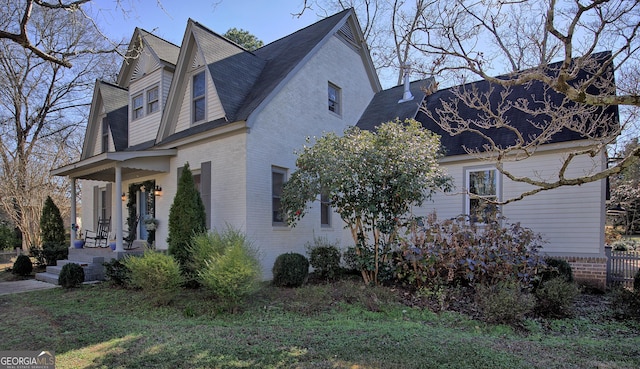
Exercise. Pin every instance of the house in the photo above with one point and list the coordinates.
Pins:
(237, 118)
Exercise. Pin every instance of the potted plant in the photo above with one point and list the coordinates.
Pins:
(151, 224)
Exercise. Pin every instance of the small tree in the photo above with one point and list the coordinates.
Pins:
(372, 179)
(187, 218)
(51, 224)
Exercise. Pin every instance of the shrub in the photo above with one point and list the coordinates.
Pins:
(556, 268)
(49, 253)
(290, 270)
(9, 239)
(555, 297)
(457, 251)
(636, 282)
(505, 302)
(234, 273)
(22, 266)
(187, 218)
(157, 274)
(324, 257)
(71, 275)
(117, 272)
(625, 304)
(51, 224)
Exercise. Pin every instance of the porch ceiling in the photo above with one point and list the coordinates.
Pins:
(134, 164)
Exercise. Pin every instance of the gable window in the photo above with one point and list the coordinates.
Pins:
(105, 135)
(138, 106)
(278, 177)
(334, 98)
(198, 97)
(483, 187)
(325, 210)
(153, 104)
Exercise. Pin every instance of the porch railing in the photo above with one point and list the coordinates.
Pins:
(622, 266)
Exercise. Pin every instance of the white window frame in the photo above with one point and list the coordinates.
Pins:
(202, 97)
(467, 182)
(137, 111)
(334, 104)
(150, 103)
(277, 196)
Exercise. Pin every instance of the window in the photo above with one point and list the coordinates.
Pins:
(198, 97)
(153, 104)
(103, 203)
(138, 105)
(482, 182)
(105, 135)
(278, 177)
(325, 210)
(334, 98)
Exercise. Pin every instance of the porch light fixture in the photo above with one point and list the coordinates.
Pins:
(123, 197)
(157, 191)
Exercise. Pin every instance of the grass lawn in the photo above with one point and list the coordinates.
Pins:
(343, 325)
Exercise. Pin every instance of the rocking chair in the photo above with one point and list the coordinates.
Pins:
(99, 237)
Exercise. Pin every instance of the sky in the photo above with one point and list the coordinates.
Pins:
(268, 20)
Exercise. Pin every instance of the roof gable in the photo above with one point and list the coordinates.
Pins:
(146, 53)
(111, 100)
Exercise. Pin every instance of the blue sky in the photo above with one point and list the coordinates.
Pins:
(268, 20)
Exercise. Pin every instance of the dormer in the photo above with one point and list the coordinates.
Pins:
(108, 120)
(147, 73)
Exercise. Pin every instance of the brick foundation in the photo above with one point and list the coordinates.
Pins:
(589, 271)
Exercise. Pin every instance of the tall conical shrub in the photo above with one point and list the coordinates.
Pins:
(187, 217)
(51, 224)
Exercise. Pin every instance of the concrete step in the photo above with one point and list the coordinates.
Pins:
(92, 271)
(47, 277)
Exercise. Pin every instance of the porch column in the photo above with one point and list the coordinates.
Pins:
(117, 205)
(73, 211)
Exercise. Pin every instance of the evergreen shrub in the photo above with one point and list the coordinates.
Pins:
(556, 297)
(157, 274)
(556, 268)
(636, 282)
(290, 270)
(227, 265)
(117, 272)
(22, 266)
(71, 276)
(505, 302)
(187, 217)
(324, 257)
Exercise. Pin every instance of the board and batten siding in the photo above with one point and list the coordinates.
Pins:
(213, 106)
(299, 110)
(570, 219)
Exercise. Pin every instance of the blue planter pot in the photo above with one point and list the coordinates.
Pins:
(112, 245)
(78, 244)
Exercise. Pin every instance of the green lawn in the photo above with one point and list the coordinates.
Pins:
(340, 326)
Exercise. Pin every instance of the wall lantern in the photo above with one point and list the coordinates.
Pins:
(157, 191)
(123, 197)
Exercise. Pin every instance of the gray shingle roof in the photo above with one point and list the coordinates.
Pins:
(385, 105)
(282, 56)
(115, 100)
(233, 69)
(165, 50)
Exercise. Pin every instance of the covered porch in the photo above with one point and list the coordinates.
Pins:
(116, 168)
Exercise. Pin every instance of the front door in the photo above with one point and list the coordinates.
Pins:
(146, 203)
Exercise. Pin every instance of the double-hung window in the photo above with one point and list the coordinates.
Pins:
(334, 95)
(105, 135)
(138, 106)
(198, 97)
(278, 177)
(153, 104)
(483, 188)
